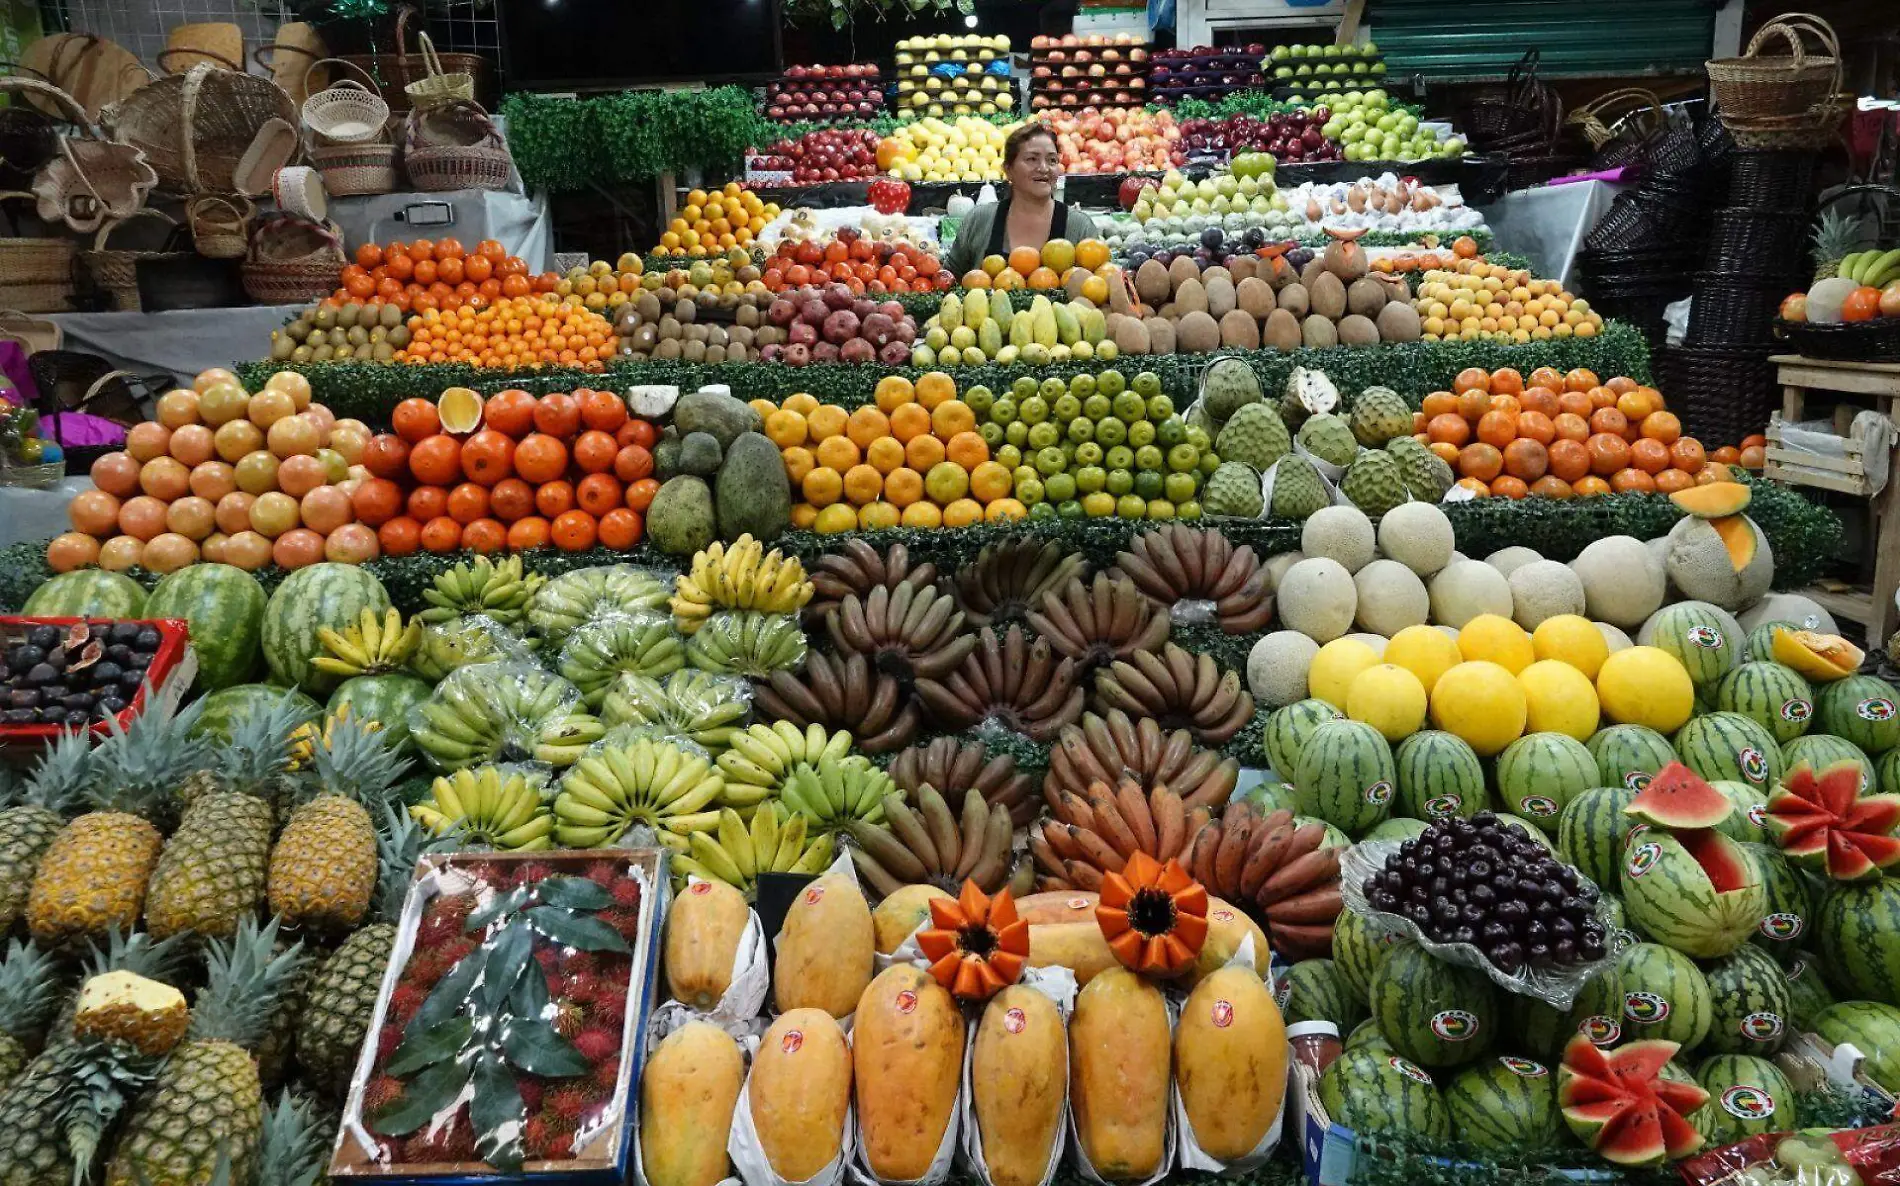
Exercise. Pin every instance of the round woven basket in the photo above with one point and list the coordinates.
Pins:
(219, 224)
(292, 260)
(348, 112)
(454, 146)
(36, 273)
(198, 128)
(352, 170)
(1758, 85)
(114, 272)
(438, 87)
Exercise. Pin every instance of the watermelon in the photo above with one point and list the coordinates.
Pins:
(1696, 890)
(1398, 828)
(1761, 640)
(1772, 695)
(1858, 930)
(1621, 1104)
(385, 699)
(1438, 775)
(1370, 1091)
(311, 598)
(1610, 908)
(1591, 832)
(1366, 1036)
(1822, 823)
(1807, 992)
(1664, 995)
(1436, 1014)
(1505, 1105)
(1874, 1028)
(1271, 796)
(1629, 755)
(1748, 1095)
(87, 593)
(1821, 750)
(1860, 709)
(1358, 949)
(225, 607)
(1727, 746)
(1887, 771)
(1331, 838)
(1541, 772)
(1345, 775)
(1317, 992)
(1752, 1006)
(1701, 637)
(1287, 730)
(1790, 911)
(1750, 804)
(1679, 798)
(225, 706)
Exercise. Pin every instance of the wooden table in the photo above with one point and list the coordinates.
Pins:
(1869, 385)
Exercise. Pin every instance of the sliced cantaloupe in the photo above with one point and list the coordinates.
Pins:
(1717, 500)
(1738, 536)
(1821, 657)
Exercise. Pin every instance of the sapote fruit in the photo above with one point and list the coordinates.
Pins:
(1677, 798)
(1822, 822)
(1618, 1102)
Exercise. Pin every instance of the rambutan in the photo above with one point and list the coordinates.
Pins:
(580, 986)
(549, 959)
(616, 967)
(609, 1007)
(566, 1103)
(607, 1074)
(455, 951)
(454, 1141)
(537, 1138)
(568, 1018)
(425, 967)
(379, 1095)
(597, 1044)
(604, 873)
(581, 961)
(533, 872)
(404, 1000)
(626, 891)
(623, 919)
(531, 1089)
(387, 1041)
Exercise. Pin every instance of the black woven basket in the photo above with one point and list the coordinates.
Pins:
(1721, 394)
(1712, 138)
(1665, 267)
(1635, 223)
(1676, 151)
(1771, 242)
(1733, 311)
(1861, 341)
(1771, 180)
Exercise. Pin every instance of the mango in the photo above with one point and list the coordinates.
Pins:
(826, 949)
(1019, 1078)
(800, 1092)
(702, 940)
(687, 1093)
(1118, 1074)
(1230, 1057)
(907, 1056)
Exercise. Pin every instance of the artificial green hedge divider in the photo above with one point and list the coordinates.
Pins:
(369, 391)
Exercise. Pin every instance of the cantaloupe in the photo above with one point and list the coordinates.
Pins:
(800, 1092)
(703, 930)
(1230, 1060)
(907, 1062)
(826, 949)
(1717, 500)
(901, 913)
(687, 1093)
(1019, 1081)
(1726, 562)
(1119, 1056)
(1820, 657)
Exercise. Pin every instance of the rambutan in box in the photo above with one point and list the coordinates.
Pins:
(508, 1033)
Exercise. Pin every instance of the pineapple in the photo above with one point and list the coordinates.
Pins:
(1834, 238)
(323, 870)
(294, 1148)
(207, 1101)
(92, 877)
(29, 993)
(56, 1112)
(213, 869)
(154, 959)
(100, 1077)
(34, 814)
(128, 1008)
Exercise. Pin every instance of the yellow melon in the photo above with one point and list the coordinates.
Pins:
(1572, 639)
(1646, 686)
(1494, 638)
(1482, 703)
(1338, 663)
(1425, 651)
(1389, 698)
(1558, 698)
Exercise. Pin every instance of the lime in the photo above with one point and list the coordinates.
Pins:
(1098, 505)
(1110, 383)
(1082, 386)
(1016, 433)
(1007, 456)
(1068, 509)
(1187, 510)
(1050, 461)
(1091, 478)
(1003, 411)
(1029, 492)
(1041, 436)
(1120, 481)
(980, 399)
(1110, 430)
(1148, 384)
(1209, 463)
(1022, 473)
(1119, 457)
(1088, 453)
(1131, 506)
(1170, 430)
(1053, 389)
(1060, 487)
(1129, 407)
(1148, 484)
(1178, 487)
(1160, 407)
(1066, 408)
(1043, 510)
(1033, 410)
(1160, 508)
(1081, 430)
(991, 432)
(1148, 457)
(1140, 433)
(1197, 436)
(1023, 388)
(1183, 458)
(1097, 406)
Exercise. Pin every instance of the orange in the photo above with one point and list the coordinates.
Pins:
(962, 512)
(1549, 377)
(1632, 480)
(1473, 402)
(951, 417)
(1481, 461)
(804, 515)
(876, 516)
(1569, 460)
(1635, 404)
(1025, 260)
(574, 531)
(1621, 383)
(484, 535)
(1687, 453)
(909, 421)
(922, 514)
(1506, 381)
(540, 458)
(838, 452)
(468, 502)
(437, 459)
(509, 500)
(531, 532)
(903, 487)
(1043, 279)
(893, 391)
(1608, 453)
(798, 463)
(862, 484)
(1571, 427)
(1662, 426)
(415, 420)
(821, 487)
(1609, 419)
(922, 452)
(1671, 480)
(1580, 379)
(1439, 403)
(1509, 487)
(1449, 428)
(1473, 377)
(946, 482)
(865, 425)
(598, 493)
(764, 407)
(1536, 426)
(1005, 510)
(967, 449)
(594, 451)
(640, 494)
(400, 536)
(1526, 459)
(1497, 428)
(1477, 487)
(885, 454)
(989, 481)
(441, 534)
(1091, 254)
(553, 498)
(933, 388)
(1650, 456)
(824, 422)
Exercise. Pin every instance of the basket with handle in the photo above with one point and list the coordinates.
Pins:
(219, 44)
(34, 333)
(202, 130)
(393, 70)
(94, 71)
(36, 274)
(287, 59)
(114, 272)
(347, 112)
(292, 260)
(438, 87)
(1630, 111)
(28, 136)
(219, 224)
(352, 170)
(1759, 84)
(454, 146)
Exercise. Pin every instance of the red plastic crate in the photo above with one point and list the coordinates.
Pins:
(168, 663)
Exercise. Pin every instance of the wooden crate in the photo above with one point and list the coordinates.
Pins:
(1846, 474)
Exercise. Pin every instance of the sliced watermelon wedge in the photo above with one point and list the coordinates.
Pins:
(1679, 798)
(1618, 1103)
(1822, 822)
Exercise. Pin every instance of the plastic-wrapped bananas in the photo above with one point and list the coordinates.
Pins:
(834, 791)
(639, 643)
(747, 642)
(502, 712)
(744, 576)
(488, 808)
(459, 642)
(843, 692)
(502, 591)
(655, 783)
(698, 704)
(575, 597)
(1177, 565)
(736, 852)
(370, 647)
(760, 758)
(930, 843)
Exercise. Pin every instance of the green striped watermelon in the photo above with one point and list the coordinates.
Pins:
(225, 606)
(1539, 773)
(1729, 746)
(385, 699)
(1807, 992)
(1772, 695)
(1506, 1105)
(1317, 992)
(1752, 1008)
(1629, 755)
(1287, 730)
(1863, 709)
(1591, 832)
(87, 593)
(1370, 1091)
(309, 599)
(1366, 1036)
(1748, 1095)
(1597, 1013)
(1858, 930)
(1888, 772)
(1697, 891)
(1821, 750)
(1345, 775)
(1331, 838)
(1698, 635)
(1358, 949)
(1790, 911)
(1271, 796)
(1611, 908)
(1438, 775)
(1871, 1026)
(1534, 1027)
(1745, 823)
(1761, 640)
(225, 706)
(1664, 995)
(1436, 1014)
(1398, 828)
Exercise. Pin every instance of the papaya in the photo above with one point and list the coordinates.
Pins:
(1019, 1078)
(687, 1093)
(826, 948)
(907, 1056)
(1227, 925)
(1118, 1074)
(800, 1092)
(1230, 1056)
(901, 913)
(1077, 946)
(1058, 906)
(703, 930)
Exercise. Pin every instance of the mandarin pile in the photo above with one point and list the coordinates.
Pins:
(512, 332)
(717, 222)
(1078, 267)
(1479, 301)
(435, 274)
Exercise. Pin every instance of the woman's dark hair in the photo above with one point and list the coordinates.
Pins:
(1023, 135)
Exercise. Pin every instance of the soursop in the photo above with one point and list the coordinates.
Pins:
(1307, 391)
(1233, 490)
(1374, 483)
(1229, 386)
(1427, 476)
(1328, 438)
(1196, 417)
(1254, 435)
(1378, 415)
(1298, 490)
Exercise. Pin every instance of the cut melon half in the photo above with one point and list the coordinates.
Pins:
(1822, 657)
(1716, 500)
(1738, 538)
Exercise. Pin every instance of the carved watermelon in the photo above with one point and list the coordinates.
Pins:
(1822, 823)
(1618, 1102)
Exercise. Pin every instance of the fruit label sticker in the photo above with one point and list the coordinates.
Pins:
(1875, 708)
(1014, 1020)
(1636, 780)
(792, 1041)
(1523, 1068)
(1455, 1025)
(1758, 814)
(1222, 1014)
(1645, 1008)
(813, 894)
(906, 1001)
(1078, 904)
(1440, 806)
(1783, 927)
(1537, 805)
(1643, 858)
(1379, 792)
(1601, 1029)
(1761, 1027)
(701, 887)
(1410, 1070)
(1636, 830)
(1706, 637)
(1754, 765)
(1222, 916)
(1745, 1101)
(1796, 709)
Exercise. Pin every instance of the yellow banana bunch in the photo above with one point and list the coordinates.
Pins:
(369, 647)
(487, 809)
(744, 576)
(735, 852)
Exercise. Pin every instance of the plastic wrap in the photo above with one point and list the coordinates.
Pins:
(475, 638)
(502, 712)
(1811, 1157)
(702, 706)
(748, 643)
(642, 642)
(572, 598)
(1195, 611)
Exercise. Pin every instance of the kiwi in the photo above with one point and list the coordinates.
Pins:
(1282, 331)
(301, 354)
(739, 335)
(324, 318)
(670, 327)
(282, 346)
(356, 335)
(746, 315)
(382, 352)
(716, 335)
(399, 336)
(647, 306)
(347, 315)
(693, 351)
(667, 349)
(300, 328)
(338, 337)
(696, 333)
(715, 353)
(686, 311)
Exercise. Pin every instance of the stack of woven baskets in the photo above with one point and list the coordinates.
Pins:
(1524, 120)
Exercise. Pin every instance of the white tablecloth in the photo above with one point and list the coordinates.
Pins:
(1548, 223)
(37, 514)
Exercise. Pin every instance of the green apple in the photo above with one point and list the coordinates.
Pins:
(1130, 506)
(1120, 481)
(1178, 487)
(1147, 383)
(1066, 407)
(1003, 411)
(1088, 453)
(1007, 456)
(1091, 478)
(1110, 431)
(1030, 492)
(1081, 430)
(1059, 487)
(1050, 460)
(1082, 386)
(1033, 410)
(1043, 434)
(1016, 433)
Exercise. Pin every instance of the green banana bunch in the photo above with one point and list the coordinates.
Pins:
(502, 591)
(459, 642)
(705, 707)
(749, 643)
(370, 647)
(759, 758)
(565, 602)
(649, 782)
(643, 644)
(494, 712)
(832, 793)
(1874, 269)
(736, 852)
(487, 809)
(744, 576)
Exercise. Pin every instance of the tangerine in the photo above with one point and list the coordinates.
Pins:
(415, 420)
(1480, 460)
(554, 498)
(1687, 453)
(1609, 453)
(1609, 420)
(1541, 400)
(1650, 456)
(1569, 459)
(1473, 378)
(510, 412)
(1580, 379)
(1661, 426)
(1571, 427)
(1536, 426)
(1669, 481)
(1497, 428)
(640, 494)
(1632, 481)
(1448, 428)
(594, 451)
(531, 532)
(598, 493)
(1507, 486)
(540, 458)
(1551, 486)
(488, 457)
(1526, 459)
(574, 531)
(1506, 381)
(399, 536)
(1590, 486)
(436, 459)
(441, 534)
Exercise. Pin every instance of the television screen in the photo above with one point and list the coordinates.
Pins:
(578, 44)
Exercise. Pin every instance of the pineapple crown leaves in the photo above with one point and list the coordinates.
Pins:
(98, 1079)
(137, 768)
(243, 980)
(259, 749)
(356, 760)
(1835, 234)
(162, 960)
(60, 775)
(292, 1148)
(29, 988)
(400, 843)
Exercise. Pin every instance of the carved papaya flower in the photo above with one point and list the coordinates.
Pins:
(975, 943)
(1153, 915)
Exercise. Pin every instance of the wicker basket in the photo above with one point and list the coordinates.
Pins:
(28, 136)
(292, 260)
(352, 170)
(346, 113)
(94, 71)
(218, 44)
(1620, 125)
(394, 71)
(220, 224)
(114, 272)
(1807, 132)
(454, 146)
(438, 87)
(1758, 85)
(1735, 311)
(1865, 341)
(1772, 242)
(1771, 179)
(287, 60)
(36, 274)
(201, 130)
(34, 333)
(1721, 394)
